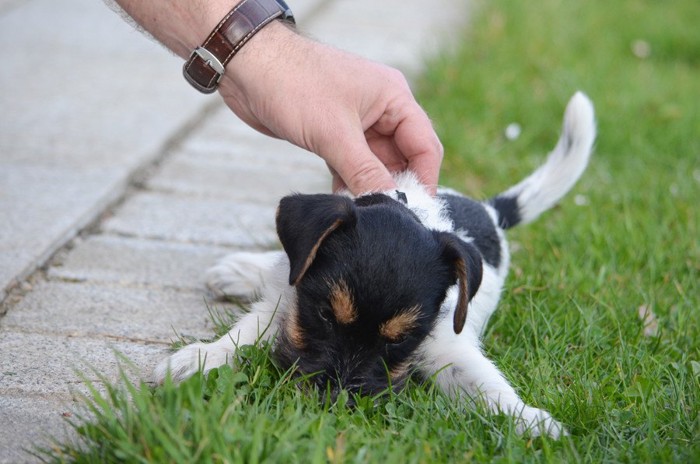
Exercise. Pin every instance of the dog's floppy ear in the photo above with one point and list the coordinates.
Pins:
(468, 268)
(304, 221)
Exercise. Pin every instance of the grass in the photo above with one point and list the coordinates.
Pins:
(568, 333)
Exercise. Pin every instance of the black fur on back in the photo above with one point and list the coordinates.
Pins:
(508, 211)
(470, 216)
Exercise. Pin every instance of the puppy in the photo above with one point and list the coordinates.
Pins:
(373, 288)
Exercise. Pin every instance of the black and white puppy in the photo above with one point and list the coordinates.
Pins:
(373, 288)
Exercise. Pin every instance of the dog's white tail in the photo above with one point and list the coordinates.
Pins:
(543, 188)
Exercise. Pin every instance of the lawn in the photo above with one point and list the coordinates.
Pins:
(600, 320)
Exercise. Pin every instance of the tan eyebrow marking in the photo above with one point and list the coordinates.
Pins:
(398, 326)
(342, 304)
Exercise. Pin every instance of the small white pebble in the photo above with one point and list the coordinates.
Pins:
(649, 321)
(513, 131)
(641, 49)
(580, 200)
(515, 247)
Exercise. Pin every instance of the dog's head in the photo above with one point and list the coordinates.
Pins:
(370, 280)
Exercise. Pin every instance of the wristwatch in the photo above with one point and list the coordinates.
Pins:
(205, 67)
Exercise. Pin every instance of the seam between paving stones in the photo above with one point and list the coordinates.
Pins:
(133, 285)
(201, 242)
(211, 301)
(89, 335)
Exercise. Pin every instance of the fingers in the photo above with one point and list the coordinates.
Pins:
(426, 165)
(358, 115)
(418, 143)
(408, 127)
(369, 159)
(337, 182)
(390, 134)
(362, 172)
(353, 164)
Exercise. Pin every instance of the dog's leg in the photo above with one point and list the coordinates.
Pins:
(258, 325)
(242, 274)
(463, 369)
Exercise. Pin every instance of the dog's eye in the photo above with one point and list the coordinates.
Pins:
(327, 315)
(398, 340)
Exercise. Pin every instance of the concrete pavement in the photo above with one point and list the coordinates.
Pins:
(120, 185)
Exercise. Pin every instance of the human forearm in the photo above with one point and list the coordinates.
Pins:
(180, 25)
(358, 115)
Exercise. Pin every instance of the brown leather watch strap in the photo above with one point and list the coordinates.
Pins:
(207, 63)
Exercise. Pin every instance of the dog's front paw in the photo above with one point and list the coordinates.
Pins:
(240, 274)
(538, 422)
(190, 360)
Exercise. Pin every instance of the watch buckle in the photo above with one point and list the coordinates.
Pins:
(211, 61)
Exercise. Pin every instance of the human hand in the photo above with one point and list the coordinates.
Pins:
(358, 115)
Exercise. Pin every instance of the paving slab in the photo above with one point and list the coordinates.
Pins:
(246, 183)
(396, 32)
(228, 159)
(136, 261)
(32, 227)
(46, 363)
(97, 310)
(179, 218)
(86, 101)
(36, 421)
(86, 87)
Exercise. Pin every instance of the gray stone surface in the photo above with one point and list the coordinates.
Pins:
(42, 208)
(254, 183)
(97, 107)
(86, 89)
(195, 220)
(35, 421)
(136, 262)
(227, 159)
(397, 32)
(148, 315)
(86, 101)
(47, 363)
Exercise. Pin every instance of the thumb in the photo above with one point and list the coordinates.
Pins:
(337, 183)
(353, 165)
